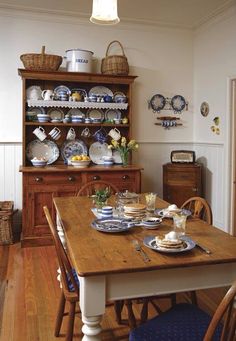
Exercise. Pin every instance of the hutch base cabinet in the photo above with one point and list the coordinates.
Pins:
(181, 181)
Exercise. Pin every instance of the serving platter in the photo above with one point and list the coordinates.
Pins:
(150, 242)
(97, 150)
(75, 147)
(46, 149)
(111, 225)
(100, 91)
(165, 214)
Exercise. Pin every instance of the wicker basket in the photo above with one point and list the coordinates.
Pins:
(115, 64)
(41, 62)
(6, 214)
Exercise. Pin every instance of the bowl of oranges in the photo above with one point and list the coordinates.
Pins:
(80, 161)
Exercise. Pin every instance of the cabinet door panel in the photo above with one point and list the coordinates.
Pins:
(179, 194)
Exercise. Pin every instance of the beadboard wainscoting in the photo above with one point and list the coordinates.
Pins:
(151, 156)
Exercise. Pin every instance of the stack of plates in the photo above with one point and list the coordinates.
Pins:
(136, 211)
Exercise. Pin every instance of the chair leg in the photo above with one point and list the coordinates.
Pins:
(173, 299)
(193, 297)
(70, 326)
(131, 317)
(144, 311)
(118, 306)
(60, 314)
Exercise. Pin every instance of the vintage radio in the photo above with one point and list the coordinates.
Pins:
(182, 156)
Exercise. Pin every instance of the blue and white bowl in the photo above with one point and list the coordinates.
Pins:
(43, 118)
(38, 163)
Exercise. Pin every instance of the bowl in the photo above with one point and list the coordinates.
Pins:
(80, 164)
(39, 163)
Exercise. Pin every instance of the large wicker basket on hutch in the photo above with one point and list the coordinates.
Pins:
(40, 185)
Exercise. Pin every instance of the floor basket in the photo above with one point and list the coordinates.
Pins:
(41, 62)
(115, 64)
(6, 226)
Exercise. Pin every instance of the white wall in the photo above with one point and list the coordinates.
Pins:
(214, 64)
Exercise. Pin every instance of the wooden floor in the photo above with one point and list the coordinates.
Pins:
(29, 294)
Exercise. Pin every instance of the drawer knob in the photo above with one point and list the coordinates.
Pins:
(195, 189)
(71, 178)
(96, 177)
(125, 177)
(38, 179)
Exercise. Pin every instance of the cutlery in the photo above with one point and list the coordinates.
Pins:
(142, 252)
(203, 248)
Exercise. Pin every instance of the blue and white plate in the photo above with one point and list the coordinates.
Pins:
(97, 151)
(75, 147)
(100, 91)
(95, 114)
(112, 114)
(157, 102)
(42, 149)
(165, 214)
(112, 225)
(150, 241)
(178, 103)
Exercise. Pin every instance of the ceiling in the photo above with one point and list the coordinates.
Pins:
(179, 13)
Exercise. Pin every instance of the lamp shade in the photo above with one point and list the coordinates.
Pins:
(105, 12)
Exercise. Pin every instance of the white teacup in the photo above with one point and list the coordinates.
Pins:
(115, 134)
(40, 133)
(55, 133)
(85, 132)
(47, 95)
(71, 134)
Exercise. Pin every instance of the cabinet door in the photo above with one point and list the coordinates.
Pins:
(179, 194)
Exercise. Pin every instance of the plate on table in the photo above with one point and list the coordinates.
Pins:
(157, 102)
(178, 103)
(56, 114)
(112, 114)
(34, 89)
(42, 149)
(113, 225)
(150, 241)
(71, 148)
(100, 91)
(97, 150)
(169, 214)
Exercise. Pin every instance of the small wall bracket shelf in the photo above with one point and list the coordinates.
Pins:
(168, 122)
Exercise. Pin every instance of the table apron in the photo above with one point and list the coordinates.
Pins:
(95, 291)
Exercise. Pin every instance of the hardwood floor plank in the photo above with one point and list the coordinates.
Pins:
(29, 295)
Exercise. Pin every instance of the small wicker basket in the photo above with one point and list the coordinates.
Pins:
(115, 64)
(6, 215)
(41, 62)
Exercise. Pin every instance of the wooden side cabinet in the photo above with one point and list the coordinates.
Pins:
(181, 181)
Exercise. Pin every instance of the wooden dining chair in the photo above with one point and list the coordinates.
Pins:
(188, 322)
(199, 208)
(92, 186)
(69, 282)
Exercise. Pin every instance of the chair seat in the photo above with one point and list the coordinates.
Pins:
(70, 284)
(183, 322)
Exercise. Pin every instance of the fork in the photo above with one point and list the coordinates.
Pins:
(138, 248)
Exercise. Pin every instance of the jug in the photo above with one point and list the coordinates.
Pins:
(124, 198)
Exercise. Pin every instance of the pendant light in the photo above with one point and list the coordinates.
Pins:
(105, 12)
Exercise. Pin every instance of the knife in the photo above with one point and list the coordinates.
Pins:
(203, 248)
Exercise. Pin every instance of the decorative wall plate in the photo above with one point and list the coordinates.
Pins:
(75, 147)
(157, 102)
(42, 149)
(178, 103)
(100, 91)
(34, 92)
(97, 150)
(204, 109)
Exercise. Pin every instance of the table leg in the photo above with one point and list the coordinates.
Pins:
(91, 328)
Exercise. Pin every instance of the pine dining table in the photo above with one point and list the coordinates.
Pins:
(110, 268)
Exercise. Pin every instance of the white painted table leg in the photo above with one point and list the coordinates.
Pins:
(91, 328)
